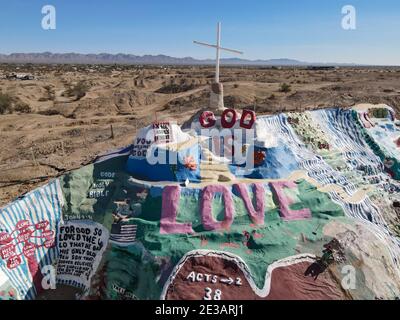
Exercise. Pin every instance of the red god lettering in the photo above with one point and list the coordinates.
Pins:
(207, 119)
(228, 119)
(249, 124)
(228, 122)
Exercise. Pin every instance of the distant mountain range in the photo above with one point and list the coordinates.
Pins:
(120, 58)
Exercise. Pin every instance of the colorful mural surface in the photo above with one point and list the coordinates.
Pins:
(316, 215)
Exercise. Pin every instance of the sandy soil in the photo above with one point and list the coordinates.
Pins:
(63, 131)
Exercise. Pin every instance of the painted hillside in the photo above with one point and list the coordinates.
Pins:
(308, 207)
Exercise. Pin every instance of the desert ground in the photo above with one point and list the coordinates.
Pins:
(69, 114)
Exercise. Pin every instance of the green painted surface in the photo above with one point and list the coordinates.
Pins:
(152, 258)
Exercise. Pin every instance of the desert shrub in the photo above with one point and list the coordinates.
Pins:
(49, 112)
(50, 93)
(236, 86)
(174, 88)
(78, 90)
(272, 97)
(22, 108)
(285, 88)
(5, 103)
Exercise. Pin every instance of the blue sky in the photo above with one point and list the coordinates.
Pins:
(308, 30)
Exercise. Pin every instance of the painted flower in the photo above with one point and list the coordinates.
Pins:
(190, 163)
(397, 142)
(259, 157)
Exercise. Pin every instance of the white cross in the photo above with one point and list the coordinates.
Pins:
(218, 47)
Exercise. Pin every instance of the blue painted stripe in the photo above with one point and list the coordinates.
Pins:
(44, 203)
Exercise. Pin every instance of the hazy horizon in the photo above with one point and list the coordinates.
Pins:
(207, 60)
